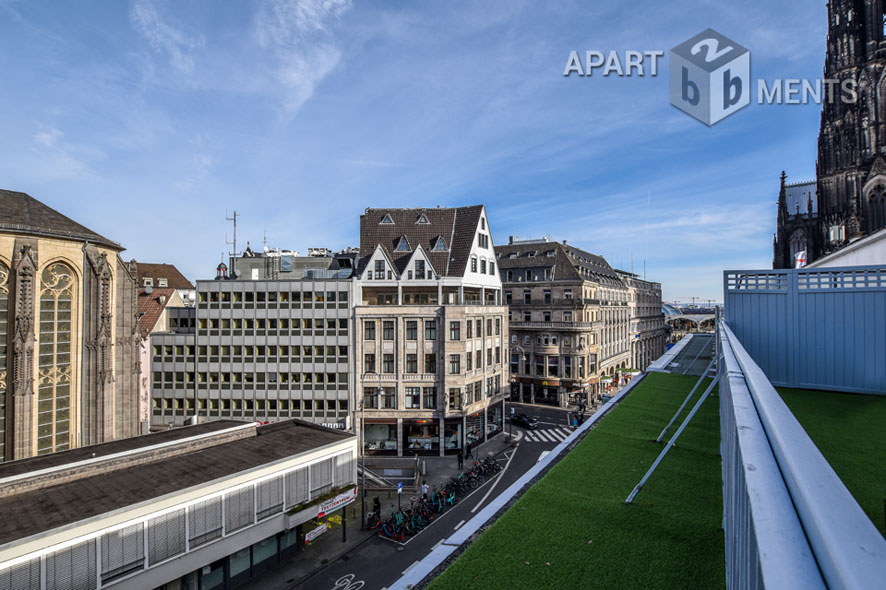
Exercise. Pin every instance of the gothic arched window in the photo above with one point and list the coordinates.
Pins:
(58, 298)
(4, 332)
(798, 243)
(876, 216)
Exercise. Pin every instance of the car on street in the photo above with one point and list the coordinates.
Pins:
(524, 421)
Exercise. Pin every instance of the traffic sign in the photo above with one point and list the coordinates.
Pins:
(400, 487)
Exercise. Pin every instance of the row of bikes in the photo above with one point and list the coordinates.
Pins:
(410, 521)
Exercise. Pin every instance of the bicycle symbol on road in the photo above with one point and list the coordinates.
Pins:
(347, 583)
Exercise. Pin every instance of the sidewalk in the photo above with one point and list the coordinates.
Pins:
(328, 547)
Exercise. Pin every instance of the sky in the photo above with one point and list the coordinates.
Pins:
(151, 121)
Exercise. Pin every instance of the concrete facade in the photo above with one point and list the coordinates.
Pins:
(256, 350)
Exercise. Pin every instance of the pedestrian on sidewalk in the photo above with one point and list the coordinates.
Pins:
(424, 490)
(461, 460)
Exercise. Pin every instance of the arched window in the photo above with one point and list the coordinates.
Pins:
(876, 216)
(798, 243)
(4, 332)
(58, 297)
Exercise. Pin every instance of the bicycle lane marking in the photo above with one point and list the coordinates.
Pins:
(495, 483)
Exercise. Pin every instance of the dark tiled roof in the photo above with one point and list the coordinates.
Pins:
(22, 213)
(28, 514)
(457, 226)
(564, 261)
(151, 306)
(175, 279)
(30, 464)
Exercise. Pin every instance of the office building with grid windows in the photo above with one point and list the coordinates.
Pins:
(265, 350)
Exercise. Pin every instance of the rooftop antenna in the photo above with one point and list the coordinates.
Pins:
(234, 243)
(265, 239)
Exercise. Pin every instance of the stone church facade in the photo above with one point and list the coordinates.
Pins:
(851, 168)
(68, 333)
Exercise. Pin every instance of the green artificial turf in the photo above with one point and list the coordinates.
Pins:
(850, 431)
(573, 530)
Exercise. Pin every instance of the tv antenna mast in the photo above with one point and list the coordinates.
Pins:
(234, 243)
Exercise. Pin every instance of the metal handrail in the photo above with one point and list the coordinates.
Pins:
(849, 550)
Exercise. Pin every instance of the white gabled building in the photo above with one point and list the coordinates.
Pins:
(430, 331)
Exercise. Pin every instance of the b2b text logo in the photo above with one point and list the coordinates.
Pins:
(710, 77)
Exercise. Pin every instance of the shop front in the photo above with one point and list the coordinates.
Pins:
(474, 434)
(380, 436)
(452, 435)
(495, 419)
(421, 437)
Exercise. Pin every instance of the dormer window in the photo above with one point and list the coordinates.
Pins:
(162, 282)
(440, 245)
(422, 219)
(149, 282)
(420, 269)
(386, 220)
(512, 254)
(549, 253)
(403, 245)
(531, 253)
(379, 270)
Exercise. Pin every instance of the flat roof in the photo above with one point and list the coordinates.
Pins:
(30, 513)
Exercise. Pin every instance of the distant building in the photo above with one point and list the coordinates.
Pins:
(569, 320)
(165, 276)
(648, 331)
(431, 331)
(272, 264)
(162, 289)
(69, 359)
(197, 507)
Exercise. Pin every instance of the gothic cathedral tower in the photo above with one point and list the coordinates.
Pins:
(851, 166)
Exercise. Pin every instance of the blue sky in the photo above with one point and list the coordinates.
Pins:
(147, 120)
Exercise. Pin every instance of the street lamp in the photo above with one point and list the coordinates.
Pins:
(363, 452)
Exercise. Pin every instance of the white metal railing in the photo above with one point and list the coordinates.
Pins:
(789, 520)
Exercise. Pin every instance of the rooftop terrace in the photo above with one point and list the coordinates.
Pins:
(573, 529)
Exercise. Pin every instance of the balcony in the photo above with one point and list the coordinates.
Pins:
(522, 325)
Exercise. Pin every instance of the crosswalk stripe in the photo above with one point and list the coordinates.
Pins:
(564, 432)
(546, 436)
(556, 434)
(533, 436)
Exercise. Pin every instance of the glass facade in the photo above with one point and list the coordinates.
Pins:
(421, 436)
(380, 438)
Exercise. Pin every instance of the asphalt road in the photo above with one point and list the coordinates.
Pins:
(380, 562)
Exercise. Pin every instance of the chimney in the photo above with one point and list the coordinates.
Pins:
(162, 299)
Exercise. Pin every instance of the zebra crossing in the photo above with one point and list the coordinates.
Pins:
(546, 435)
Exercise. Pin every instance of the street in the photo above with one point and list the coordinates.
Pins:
(379, 562)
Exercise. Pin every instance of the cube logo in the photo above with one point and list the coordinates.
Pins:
(710, 77)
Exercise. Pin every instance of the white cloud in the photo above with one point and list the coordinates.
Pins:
(297, 33)
(165, 37)
(59, 158)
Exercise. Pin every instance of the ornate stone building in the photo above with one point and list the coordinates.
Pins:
(851, 167)
(569, 320)
(430, 331)
(68, 338)
(648, 333)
